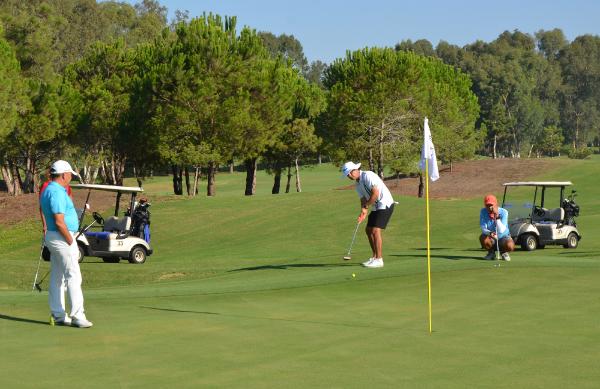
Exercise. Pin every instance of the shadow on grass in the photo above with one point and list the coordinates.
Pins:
(269, 318)
(292, 265)
(22, 320)
(450, 257)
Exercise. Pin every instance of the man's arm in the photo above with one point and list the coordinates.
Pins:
(59, 219)
(483, 223)
(366, 203)
(502, 222)
(44, 227)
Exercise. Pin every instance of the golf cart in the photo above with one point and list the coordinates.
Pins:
(126, 237)
(536, 224)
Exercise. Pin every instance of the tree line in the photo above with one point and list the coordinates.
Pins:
(109, 85)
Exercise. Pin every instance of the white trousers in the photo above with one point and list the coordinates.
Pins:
(64, 266)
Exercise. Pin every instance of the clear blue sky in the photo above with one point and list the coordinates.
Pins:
(327, 28)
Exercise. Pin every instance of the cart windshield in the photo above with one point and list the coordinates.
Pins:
(518, 201)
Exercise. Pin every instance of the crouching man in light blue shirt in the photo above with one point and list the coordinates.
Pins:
(494, 226)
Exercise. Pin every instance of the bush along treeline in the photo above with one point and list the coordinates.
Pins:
(109, 85)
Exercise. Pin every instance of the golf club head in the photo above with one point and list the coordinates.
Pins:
(38, 288)
(347, 257)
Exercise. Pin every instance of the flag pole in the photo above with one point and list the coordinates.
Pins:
(428, 246)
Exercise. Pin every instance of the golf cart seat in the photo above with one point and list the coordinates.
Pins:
(549, 216)
(117, 225)
(114, 228)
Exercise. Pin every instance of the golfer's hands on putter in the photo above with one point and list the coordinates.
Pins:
(363, 215)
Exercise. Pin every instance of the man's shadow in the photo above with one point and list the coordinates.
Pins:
(13, 318)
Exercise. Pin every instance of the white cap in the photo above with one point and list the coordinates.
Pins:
(61, 166)
(348, 167)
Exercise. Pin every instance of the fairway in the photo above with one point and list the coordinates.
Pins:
(252, 292)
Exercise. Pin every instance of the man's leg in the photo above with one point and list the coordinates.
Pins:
(377, 242)
(371, 236)
(507, 245)
(487, 242)
(56, 298)
(73, 282)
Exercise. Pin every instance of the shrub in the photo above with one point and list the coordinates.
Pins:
(580, 153)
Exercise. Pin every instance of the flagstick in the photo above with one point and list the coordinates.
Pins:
(428, 249)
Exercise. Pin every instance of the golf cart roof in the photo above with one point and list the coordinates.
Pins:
(540, 183)
(109, 188)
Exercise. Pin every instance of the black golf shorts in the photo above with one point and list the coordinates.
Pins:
(380, 218)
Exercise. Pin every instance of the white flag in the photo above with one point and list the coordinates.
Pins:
(428, 152)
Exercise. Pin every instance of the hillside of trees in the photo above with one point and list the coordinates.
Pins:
(113, 87)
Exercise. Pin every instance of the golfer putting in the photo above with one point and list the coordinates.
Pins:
(372, 193)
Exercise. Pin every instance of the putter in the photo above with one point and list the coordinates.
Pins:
(348, 256)
(37, 272)
(37, 285)
(497, 245)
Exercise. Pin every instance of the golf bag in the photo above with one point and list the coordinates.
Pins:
(140, 220)
(571, 210)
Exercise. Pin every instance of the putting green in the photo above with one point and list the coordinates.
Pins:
(252, 292)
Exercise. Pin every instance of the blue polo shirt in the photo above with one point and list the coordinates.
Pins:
(488, 225)
(56, 200)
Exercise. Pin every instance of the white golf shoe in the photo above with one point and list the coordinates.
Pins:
(375, 263)
(367, 262)
(81, 323)
(506, 257)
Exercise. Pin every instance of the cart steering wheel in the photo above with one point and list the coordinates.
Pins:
(98, 218)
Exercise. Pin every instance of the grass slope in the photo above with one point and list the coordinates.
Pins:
(252, 292)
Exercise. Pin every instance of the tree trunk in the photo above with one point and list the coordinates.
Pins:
(371, 161)
(188, 185)
(276, 179)
(289, 178)
(231, 167)
(380, 156)
(421, 186)
(320, 161)
(196, 177)
(210, 176)
(28, 183)
(120, 171)
(298, 187)
(494, 147)
(177, 180)
(251, 165)
(12, 183)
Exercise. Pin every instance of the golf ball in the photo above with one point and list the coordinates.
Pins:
(353, 275)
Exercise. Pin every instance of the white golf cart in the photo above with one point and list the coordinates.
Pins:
(531, 224)
(126, 237)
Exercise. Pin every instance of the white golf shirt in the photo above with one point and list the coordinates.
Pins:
(367, 181)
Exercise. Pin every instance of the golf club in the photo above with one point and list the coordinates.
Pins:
(497, 245)
(348, 256)
(35, 284)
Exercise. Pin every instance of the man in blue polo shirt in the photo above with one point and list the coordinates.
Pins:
(62, 225)
(494, 227)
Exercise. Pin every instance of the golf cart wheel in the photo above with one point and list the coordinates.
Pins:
(111, 259)
(137, 255)
(81, 253)
(572, 241)
(529, 242)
